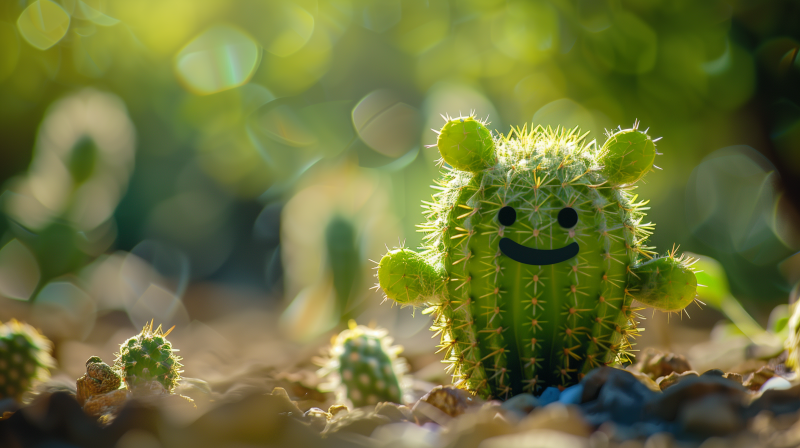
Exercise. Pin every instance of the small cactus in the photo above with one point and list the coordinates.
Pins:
(535, 250)
(24, 358)
(364, 367)
(149, 356)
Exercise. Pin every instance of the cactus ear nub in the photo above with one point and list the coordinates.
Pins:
(466, 144)
(627, 155)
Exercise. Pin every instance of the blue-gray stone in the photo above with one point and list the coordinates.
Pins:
(550, 395)
(572, 394)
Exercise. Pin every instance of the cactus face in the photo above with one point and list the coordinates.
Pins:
(149, 356)
(531, 263)
(365, 366)
(24, 358)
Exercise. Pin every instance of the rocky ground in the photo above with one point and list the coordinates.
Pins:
(659, 402)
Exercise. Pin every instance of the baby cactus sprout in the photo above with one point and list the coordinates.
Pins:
(149, 356)
(627, 155)
(364, 367)
(466, 144)
(409, 279)
(534, 253)
(24, 358)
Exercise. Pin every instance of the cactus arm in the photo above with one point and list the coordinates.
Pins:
(408, 279)
(665, 283)
(627, 155)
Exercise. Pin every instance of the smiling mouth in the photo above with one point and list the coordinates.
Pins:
(537, 257)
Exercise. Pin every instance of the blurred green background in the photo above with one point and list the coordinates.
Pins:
(183, 159)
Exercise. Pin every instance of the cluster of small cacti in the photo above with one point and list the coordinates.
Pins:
(149, 356)
(363, 366)
(24, 358)
(535, 250)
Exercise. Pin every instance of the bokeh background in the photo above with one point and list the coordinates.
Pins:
(232, 166)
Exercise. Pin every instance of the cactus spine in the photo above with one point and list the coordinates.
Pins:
(24, 358)
(364, 366)
(535, 250)
(149, 356)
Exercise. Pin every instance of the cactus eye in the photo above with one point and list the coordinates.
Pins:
(567, 217)
(507, 215)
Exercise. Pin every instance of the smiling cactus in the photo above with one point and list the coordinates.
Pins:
(533, 255)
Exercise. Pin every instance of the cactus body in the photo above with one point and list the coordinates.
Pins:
(533, 258)
(24, 358)
(365, 366)
(149, 356)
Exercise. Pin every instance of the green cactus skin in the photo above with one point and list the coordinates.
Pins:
(565, 307)
(149, 356)
(367, 368)
(24, 358)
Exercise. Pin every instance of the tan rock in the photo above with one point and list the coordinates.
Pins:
(654, 363)
(755, 380)
(450, 400)
(673, 378)
(558, 417)
(107, 403)
(99, 379)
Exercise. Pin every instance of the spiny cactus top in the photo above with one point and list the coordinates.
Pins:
(535, 250)
(149, 356)
(24, 358)
(364, 365)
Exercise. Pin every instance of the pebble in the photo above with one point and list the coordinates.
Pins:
(755, 380)
(733, 376)
(645, 379)
(316, 418)
(404, 434)
(688, 391)
(673, 378)
(655, 364)
(550, 395)
(537, 438)
(450, 400)
(776, 402)
(558, 417)
(615, 395)
(572, 395)
(775, 383)
(713, 415)
(521, 405)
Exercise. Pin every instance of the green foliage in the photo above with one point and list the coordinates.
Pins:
(24, 358)
(716, 293)
(364, 366)
(149, 356)
(511, 323)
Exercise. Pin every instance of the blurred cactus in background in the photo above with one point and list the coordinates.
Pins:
(344, 258)
(326, 228)
(24, 358)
